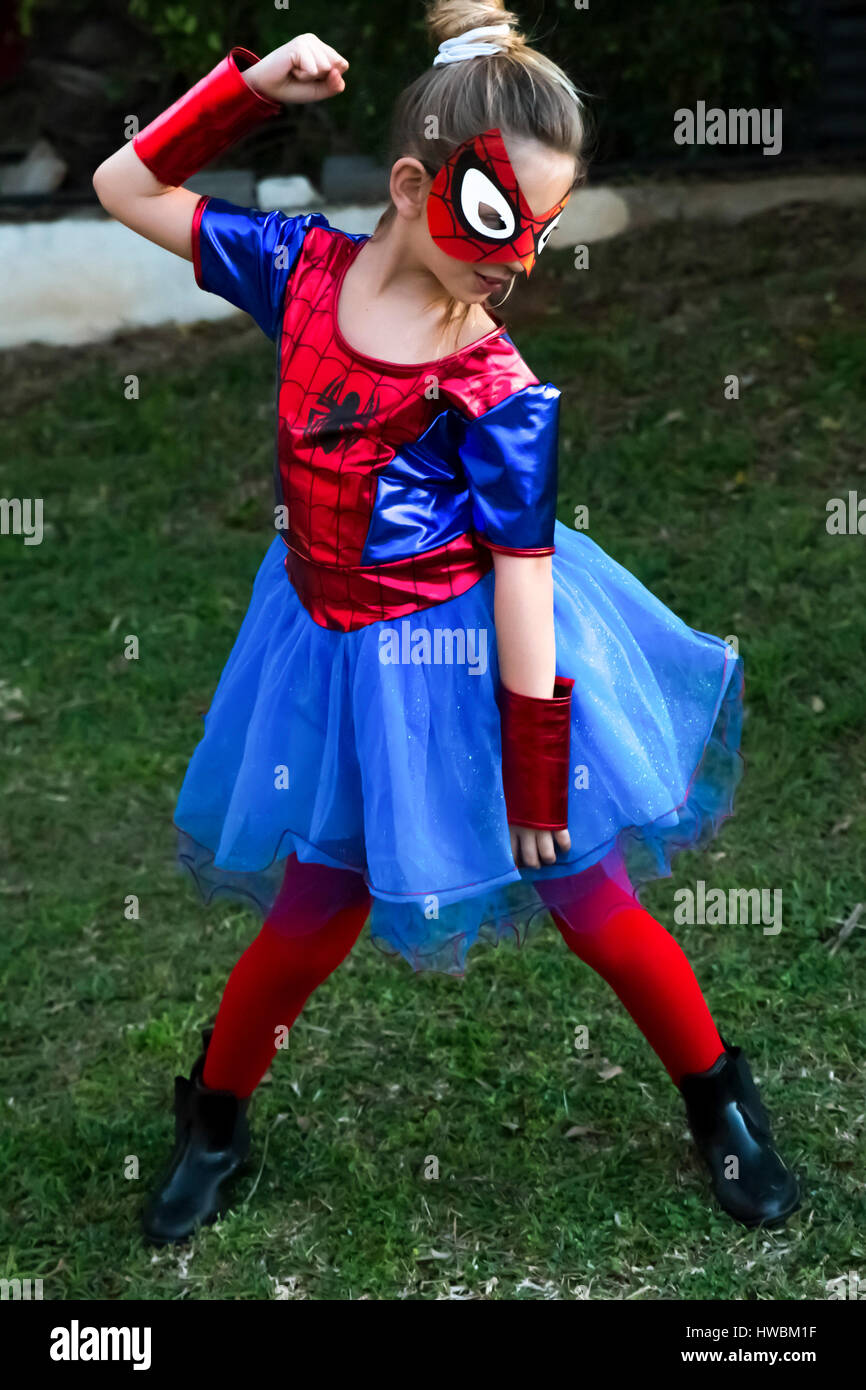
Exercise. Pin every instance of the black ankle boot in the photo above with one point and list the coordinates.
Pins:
(211, 1141)
(728, 1122)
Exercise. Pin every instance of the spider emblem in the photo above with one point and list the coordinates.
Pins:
(330, 418)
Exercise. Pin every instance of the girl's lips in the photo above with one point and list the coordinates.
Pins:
(489, 282)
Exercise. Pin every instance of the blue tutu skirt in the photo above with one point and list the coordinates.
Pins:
(378, 752)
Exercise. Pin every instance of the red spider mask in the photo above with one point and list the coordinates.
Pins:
(479, 173)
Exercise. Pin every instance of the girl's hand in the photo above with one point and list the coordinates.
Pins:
(305, 69)
(536, 847)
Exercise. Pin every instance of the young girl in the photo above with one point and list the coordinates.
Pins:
(444, 710)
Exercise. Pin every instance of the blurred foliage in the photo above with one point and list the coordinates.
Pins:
(639, 62)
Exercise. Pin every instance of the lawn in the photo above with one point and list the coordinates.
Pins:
(554, 1182)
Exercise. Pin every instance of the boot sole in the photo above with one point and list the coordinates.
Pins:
(758, 1223)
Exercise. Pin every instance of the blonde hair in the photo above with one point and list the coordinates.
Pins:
(516, 90)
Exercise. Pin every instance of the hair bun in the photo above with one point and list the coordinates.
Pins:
(448, 19)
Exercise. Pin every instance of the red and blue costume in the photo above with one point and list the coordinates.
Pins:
(393, 485)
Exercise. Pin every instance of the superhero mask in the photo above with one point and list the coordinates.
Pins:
(479, 173)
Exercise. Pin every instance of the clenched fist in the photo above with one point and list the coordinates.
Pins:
(305, 69)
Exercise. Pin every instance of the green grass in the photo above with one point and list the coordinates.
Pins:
(158, 517)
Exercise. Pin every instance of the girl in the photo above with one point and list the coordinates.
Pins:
(443, 711)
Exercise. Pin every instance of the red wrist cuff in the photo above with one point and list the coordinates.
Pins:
(536, 741)
(210, 117)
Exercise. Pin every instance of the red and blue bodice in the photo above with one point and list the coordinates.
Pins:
(394, 482)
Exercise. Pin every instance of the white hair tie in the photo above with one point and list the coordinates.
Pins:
(470, 44)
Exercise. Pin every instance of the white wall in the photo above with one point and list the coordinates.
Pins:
(81, 279)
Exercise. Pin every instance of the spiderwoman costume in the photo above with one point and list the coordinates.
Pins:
(358, 721)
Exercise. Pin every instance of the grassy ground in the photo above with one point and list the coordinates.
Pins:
(552, 1179)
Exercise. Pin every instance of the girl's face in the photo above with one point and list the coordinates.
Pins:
(489, 212)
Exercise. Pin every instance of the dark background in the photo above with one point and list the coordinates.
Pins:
(71, 70)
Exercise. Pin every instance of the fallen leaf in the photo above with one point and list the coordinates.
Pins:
(609, 1072)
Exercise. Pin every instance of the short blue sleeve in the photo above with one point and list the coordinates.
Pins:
(246, 256)
(510, 457)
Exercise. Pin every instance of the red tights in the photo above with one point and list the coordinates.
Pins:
(312, 927)
(318, 917)
(606, 926)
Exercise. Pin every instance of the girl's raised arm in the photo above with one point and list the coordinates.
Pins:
(130, 193)
(139, 184)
